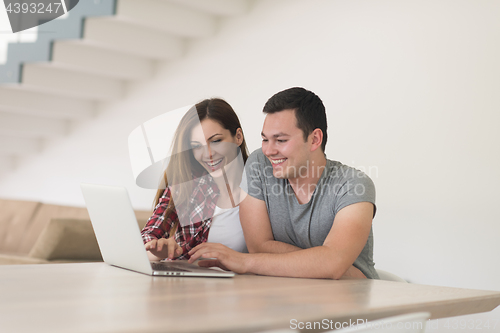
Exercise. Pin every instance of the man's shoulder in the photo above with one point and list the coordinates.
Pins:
(256, 156)
(257, 161)
(342, 170)
(338, 172)
(258, 175)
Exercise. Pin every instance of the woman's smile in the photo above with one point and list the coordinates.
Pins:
(214, 164)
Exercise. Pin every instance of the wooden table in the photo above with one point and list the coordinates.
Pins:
(95, 297)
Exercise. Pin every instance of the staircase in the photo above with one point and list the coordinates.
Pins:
(88, 58)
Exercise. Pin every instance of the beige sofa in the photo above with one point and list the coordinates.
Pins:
(37, 233)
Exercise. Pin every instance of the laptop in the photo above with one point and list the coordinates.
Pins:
(119, 237)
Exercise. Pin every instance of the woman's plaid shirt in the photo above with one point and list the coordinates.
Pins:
(200, 210)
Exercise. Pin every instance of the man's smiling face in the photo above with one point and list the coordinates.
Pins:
(283, 144)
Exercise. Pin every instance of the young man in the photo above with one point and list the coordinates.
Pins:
(305, 215)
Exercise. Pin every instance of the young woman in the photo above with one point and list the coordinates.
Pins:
(198, 199)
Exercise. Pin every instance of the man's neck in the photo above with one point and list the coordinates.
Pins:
(304, 185)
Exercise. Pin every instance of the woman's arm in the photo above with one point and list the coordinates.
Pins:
(155, 233)
(158, 226)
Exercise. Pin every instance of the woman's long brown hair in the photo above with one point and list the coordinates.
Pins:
(182, 164)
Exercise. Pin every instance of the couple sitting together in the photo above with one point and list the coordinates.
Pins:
(285, 210)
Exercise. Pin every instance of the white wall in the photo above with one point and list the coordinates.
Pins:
(411, 92)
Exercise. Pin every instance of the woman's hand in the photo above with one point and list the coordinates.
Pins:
(164, 248)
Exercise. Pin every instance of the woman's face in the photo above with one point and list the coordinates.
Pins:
(213, 146)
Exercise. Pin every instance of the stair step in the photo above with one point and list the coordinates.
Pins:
(21, 100)
(126, 36)
(216, 7)
(31, 127)
(64, 81)
(19, 53)
(87, 57)
(167, 17)
(19, 146)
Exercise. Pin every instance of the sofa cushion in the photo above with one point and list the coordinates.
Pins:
(39, 222)
(15, 218)
(10, 259)
(67, 239)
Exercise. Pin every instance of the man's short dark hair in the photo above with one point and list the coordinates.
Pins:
(309, 110)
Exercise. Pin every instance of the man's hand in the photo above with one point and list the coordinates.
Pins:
(225, 257)
(164, 248)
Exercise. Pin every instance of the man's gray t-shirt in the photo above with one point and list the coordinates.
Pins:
(307, 225)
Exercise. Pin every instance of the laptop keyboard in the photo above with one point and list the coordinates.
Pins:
(166, 268)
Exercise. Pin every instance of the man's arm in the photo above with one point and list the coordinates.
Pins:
(257, 228)
(342, 246)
